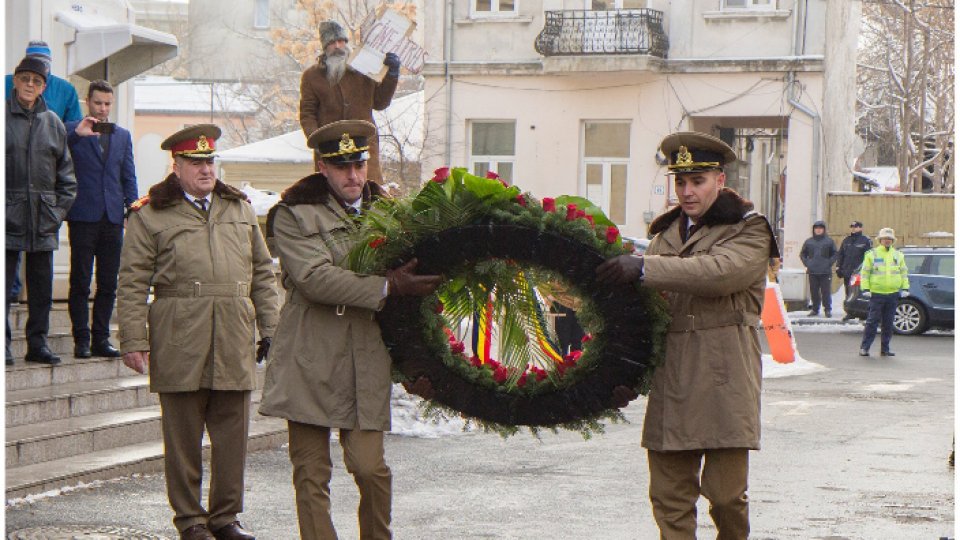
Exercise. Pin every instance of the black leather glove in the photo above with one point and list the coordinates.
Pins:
(392, 61)
(403, 281)
(620, 269)
(263, 347)
(421, 387)
(622, 396)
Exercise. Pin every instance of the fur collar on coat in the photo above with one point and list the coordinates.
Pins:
(729, 208)
(168, 192)
(314, 189)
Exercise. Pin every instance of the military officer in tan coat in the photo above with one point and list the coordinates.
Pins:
(196, 242)
(709, 256)
(328, 366)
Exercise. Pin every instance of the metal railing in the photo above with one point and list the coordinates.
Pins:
(585, 32)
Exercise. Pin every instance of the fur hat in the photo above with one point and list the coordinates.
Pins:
(33, 64)
(887, 232)
(331, 31)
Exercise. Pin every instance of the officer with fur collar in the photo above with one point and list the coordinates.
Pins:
(708, 257)
(328, 367)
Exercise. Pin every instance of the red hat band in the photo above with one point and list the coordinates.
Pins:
(199, 146)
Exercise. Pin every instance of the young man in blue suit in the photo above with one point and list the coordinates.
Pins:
(107, 186)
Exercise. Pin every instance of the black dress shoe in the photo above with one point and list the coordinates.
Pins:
(104, 348)
(42, 356)
(233, 531)
(81, 350)
(887, 353)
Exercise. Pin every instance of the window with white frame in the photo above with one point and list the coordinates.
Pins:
(493, 8)
(261, 14)
(606, 159)
(493, 145)
(749, 4)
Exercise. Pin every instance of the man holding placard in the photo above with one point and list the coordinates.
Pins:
(331, 90)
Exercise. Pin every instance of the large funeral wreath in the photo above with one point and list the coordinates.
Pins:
(483, 340)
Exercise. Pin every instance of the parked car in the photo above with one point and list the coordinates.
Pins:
(639, 244)
(930, 303)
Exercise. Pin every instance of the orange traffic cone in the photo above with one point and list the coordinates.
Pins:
(776, 325)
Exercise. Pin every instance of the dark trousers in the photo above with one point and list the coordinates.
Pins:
(880, 312)
(820, 291)
(39, 271)
(102, 241)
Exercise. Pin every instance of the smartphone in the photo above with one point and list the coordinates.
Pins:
(104, 127)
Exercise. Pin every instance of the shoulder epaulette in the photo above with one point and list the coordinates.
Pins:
(139, 203)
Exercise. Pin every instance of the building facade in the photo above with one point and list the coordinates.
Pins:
(573, 96)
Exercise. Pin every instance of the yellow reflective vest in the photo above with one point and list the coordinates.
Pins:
(884, 271)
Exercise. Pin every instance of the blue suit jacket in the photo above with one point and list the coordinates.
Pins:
(106, 184)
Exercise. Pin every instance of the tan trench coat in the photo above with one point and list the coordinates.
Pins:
(355, 97)
(328, 365)
(707, 393)
(199, 336)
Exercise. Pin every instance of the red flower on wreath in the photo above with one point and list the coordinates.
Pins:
(377, 242)
(438, 309)
(549, 204)
(571, 212)
(456, 347)
(492, 175)
(440, 175)
(612, 234)
(586, 338)
(500, 374)
(523, 380)
(521, 200)
(590, 219)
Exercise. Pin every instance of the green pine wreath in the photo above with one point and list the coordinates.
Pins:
(501, 253)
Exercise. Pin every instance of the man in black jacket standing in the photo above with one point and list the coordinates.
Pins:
(818, 254)
(850, 256)
(40, 188)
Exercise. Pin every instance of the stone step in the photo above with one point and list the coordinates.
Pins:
(59, 317)
(23, 375)
(47, 441)
(43, 404)
(143, 458)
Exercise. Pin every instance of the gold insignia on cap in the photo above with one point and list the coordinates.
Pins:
(347, 146)
(684, 157)
(202, 144)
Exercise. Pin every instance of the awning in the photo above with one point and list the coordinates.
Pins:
(104, 48)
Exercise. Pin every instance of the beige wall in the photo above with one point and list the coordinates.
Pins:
(550, 111)
(264, 176)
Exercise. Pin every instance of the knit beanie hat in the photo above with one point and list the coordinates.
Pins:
(33, 64)
(331, 31)
(39, 49)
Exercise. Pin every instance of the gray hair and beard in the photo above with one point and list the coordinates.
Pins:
(336, 64)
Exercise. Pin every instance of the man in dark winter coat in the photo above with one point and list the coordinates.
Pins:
(850, 256)
(41, 188)
(818, 254)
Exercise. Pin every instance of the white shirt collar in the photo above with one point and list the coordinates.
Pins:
(357, 204)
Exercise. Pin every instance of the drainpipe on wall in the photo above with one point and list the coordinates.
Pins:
(448, 79)
(815, 158)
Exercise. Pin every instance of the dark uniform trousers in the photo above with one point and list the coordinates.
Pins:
(676, 482)
(312, 468)
(102, 241)
(226, 416)
(39, 272)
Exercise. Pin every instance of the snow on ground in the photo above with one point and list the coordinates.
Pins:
(776, 370)
(408, 418)
(261, 200)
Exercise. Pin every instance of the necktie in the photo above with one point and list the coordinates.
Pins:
(352, 211)
(104, 142)
(202, 203)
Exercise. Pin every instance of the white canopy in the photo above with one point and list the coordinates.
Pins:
(104, 48)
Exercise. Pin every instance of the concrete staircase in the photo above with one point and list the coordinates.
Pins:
(87, 419)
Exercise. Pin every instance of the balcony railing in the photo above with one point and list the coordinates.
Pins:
(585, 32)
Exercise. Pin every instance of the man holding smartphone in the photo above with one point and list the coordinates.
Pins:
(107, 186)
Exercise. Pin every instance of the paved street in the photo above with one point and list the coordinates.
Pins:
(858, 451)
